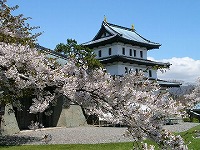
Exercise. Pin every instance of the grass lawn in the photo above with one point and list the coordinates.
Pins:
(109, 146)
(188, 136)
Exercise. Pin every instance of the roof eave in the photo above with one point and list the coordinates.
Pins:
(125, 59)
(149, 46)
(167, 84)
(118, 38)
(100, 30)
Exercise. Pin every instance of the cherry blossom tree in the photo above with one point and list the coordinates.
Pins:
(194, 97)
(24, 70)
(15, 29)
(193, 101)
(132, 100)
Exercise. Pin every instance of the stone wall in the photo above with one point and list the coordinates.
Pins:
(62, 117)
(72, 117)
(9, 124)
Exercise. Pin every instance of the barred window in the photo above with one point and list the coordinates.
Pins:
(109, 51)
(141, 54)
(130, 52)
(123, 51)
(134, 53)
(99, 53)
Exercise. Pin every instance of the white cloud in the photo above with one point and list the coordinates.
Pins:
(185, 69)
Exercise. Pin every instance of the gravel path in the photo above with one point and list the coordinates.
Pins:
(184, 126)
(81, 135)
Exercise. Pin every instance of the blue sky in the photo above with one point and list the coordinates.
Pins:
(173, 23)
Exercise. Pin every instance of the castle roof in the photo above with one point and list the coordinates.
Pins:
(131, 60)
(110, 33)
(61, 58)
(167, 84)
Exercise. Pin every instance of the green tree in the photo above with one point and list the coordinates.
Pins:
(15, 29)
(82, 54)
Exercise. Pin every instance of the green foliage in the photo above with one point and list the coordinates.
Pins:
(83, 55)
(186, 119)
(195, 120)
(14, 29)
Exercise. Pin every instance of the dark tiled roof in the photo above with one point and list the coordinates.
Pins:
(120, 34)
(164, 83)
(60, 58)
(51, 52)
(131, 60)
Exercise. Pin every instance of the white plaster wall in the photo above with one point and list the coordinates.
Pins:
(117, 50)
(112, 69)
(127, 50)
(119, 69)
(154, 74)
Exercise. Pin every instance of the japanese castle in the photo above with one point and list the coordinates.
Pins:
(122, 50)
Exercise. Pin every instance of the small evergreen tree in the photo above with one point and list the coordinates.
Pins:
(81, 54)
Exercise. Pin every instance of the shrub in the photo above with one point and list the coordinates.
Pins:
(186, 119)
(195, 120)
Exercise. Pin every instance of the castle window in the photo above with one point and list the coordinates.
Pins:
(123, 51)
(130, 70)
(141, 54)
(99, 53)
(126, 70)
(136, 70)
(150, 73)
(109, 51)
(130, 52)
(134, 53)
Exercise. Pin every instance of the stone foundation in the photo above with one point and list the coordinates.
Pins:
(72, 117)
(9, 124)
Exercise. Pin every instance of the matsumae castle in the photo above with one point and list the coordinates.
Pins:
(120, 49)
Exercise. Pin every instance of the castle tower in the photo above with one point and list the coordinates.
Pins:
(122, 50)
